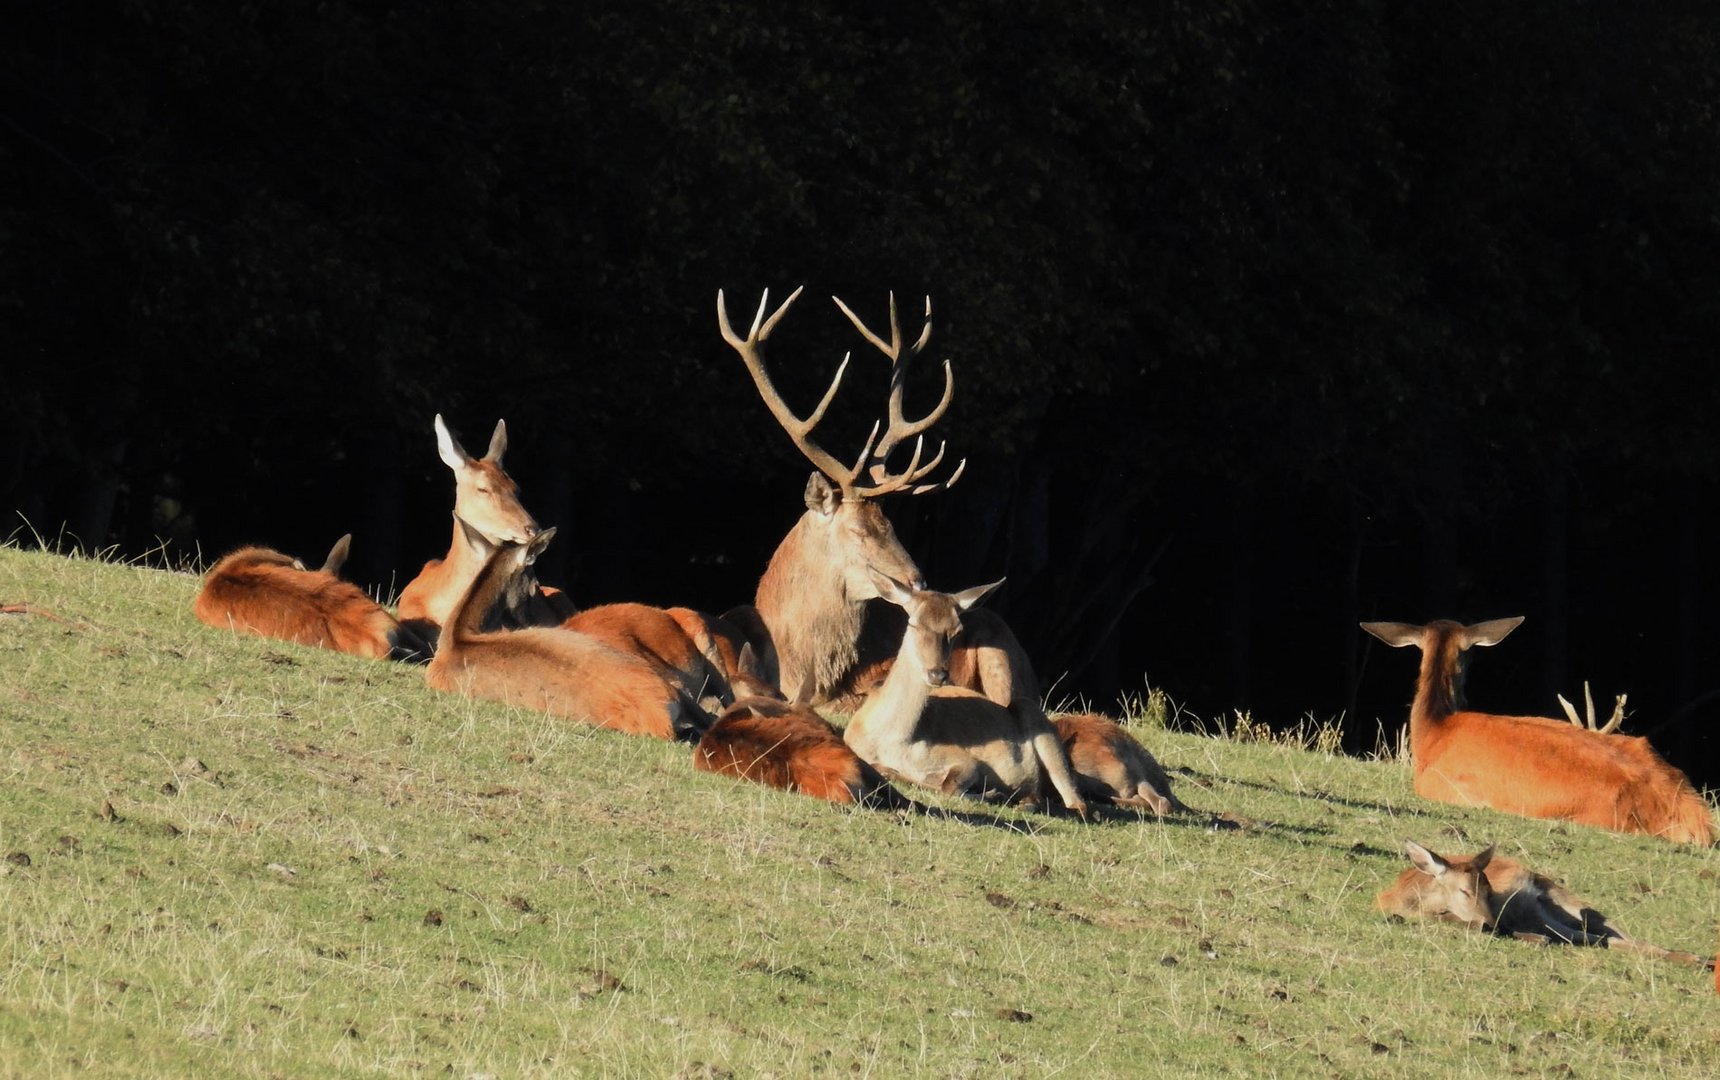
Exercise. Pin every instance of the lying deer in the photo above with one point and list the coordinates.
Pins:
(1112, 767)
(918, 728)
(1534, 766)
(486, 504)
(767, 740)
(1502, 896)
(558, 671)
(258, 590)
(654, 635)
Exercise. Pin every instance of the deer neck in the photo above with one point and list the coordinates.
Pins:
(803, 599)
(893, 710)
(1438, 689)
(489, 585)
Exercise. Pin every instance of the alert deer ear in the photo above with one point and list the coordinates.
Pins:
(1490, 633)
(1396, 634)
(337, 556)
(453, 455)
(1482, 858)
(821, 497)
(498, 443)
(967, 598)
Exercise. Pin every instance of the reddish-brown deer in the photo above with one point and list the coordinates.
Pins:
(1534, 766)
(918, 728)
(258, 590)
(558, 671)
(1502, 896)
(1112, 767)
(770, 741)
(654, 635)
(487, 499)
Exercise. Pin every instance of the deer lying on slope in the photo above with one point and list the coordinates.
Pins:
(486, 504)
(1533, 766)
(767, 740)
(1112, 767)
(919, 729)
(1502, 896)
(258, 590)
(558, 671)
(654, 635)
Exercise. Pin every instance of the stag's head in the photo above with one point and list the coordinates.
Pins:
(485, 496)
(841, 507)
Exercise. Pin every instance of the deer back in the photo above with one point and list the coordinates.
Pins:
(262, 591)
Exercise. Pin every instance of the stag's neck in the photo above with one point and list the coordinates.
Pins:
(803, 600)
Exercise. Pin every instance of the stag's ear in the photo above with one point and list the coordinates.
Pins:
(1424, 860)
(821, 497)
(1395, 633)
(1490, 633)
(498, 443)
(337, 556)
(967, 598)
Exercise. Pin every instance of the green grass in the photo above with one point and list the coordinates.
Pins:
(233, 857)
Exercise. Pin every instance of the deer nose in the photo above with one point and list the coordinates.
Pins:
(938, 676)
(919, 583)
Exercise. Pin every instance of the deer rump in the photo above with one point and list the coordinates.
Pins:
(791, 747)
(261, 591)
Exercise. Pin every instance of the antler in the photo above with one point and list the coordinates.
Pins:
(875, 453)
(751, 349)
(1612, 724)
(900, 427)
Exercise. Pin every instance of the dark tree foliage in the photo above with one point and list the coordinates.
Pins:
(1265, 318)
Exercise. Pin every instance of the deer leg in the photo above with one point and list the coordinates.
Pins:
(1055, 761)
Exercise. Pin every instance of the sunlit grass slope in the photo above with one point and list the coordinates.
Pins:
(232, 857)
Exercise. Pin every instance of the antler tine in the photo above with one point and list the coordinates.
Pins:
(900, 427)
(1570, 710)
(799, 429)
(1612, 725)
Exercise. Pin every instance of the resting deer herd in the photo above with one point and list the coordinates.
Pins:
(947, 702)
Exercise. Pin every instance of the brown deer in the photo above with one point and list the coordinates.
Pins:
(1112, 767)
(767, 740)
(1534, 766)
(920, 729)
(1502, 896)
(656, 636)
(813, 593)
(258, 590)
(560, 672)
(488, 501)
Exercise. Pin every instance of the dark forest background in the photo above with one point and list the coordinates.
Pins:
(1266, 318)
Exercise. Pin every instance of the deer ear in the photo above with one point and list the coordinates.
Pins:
(889, 588)
(821, 497)
(1395, 633)
(1424, 860)
(453, 455)
(498, 443)
(337, 556)
(535, 546)
(477, 540)
(1490, 633)
(1482, 858)
(967, 598)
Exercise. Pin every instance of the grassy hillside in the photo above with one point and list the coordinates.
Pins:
(232, 857)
